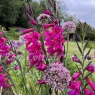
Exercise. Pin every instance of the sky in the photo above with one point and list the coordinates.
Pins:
(84, 10)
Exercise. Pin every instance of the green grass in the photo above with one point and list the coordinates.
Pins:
(74, 49)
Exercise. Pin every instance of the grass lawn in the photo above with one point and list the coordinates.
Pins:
(74, 49)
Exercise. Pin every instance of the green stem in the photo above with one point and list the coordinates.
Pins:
(56, 92)
(50, 92)
(22, 76)
(10, 78)
(67, 48)
(82, 93)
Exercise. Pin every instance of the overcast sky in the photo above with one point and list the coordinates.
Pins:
(84, 10)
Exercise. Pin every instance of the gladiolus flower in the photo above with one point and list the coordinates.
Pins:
(76, 75)
(91, 83)
(4, 49)
(75, 59)
(33, 37)
(75, 88)
(47, 12)
(17, 67)
(2, 40)
(51, 25)
(91, 68)
(32, 21)
(3, 81)
(41, 82)
(27, 31)
(40, 66)
(55, 41)
(7, 85)
(35, 48)
(88, 92)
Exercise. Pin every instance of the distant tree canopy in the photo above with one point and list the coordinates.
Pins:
(12, 12)
(87, 31)
(9, 10)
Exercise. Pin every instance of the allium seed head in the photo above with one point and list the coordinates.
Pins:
(57, 76)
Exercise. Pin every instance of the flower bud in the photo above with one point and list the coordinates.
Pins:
(32, 21)
(47, 12)
(41, 82)
(88, 57)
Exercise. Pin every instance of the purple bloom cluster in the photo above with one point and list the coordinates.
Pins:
(57, 76)
(16, 44)
(69, 26)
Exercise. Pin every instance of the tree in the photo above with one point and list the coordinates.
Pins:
(9, 10)
(87, 31)
(21, 19)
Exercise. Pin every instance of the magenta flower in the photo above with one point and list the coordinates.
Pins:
(33, 22)
(35, 48)
(7, 85)
(76, 75)
(41, 82)
(41, 66)
(36, 58)
(33, 58)
(8, 58)
(51, 25)
(91, 83)
(2, 40)
(17, 67)
(33, 37)
(27, 31)
(4, 49)
(91, 68)
(75, 59)
(47, 12)
(75, 88)
(3, 81)
(88, 92)
(55, 41)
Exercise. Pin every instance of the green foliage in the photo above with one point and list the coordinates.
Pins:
(9, 10)
(91, 44)
(38, 8)
(12, 34)
(21, 19)
(87, 31)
